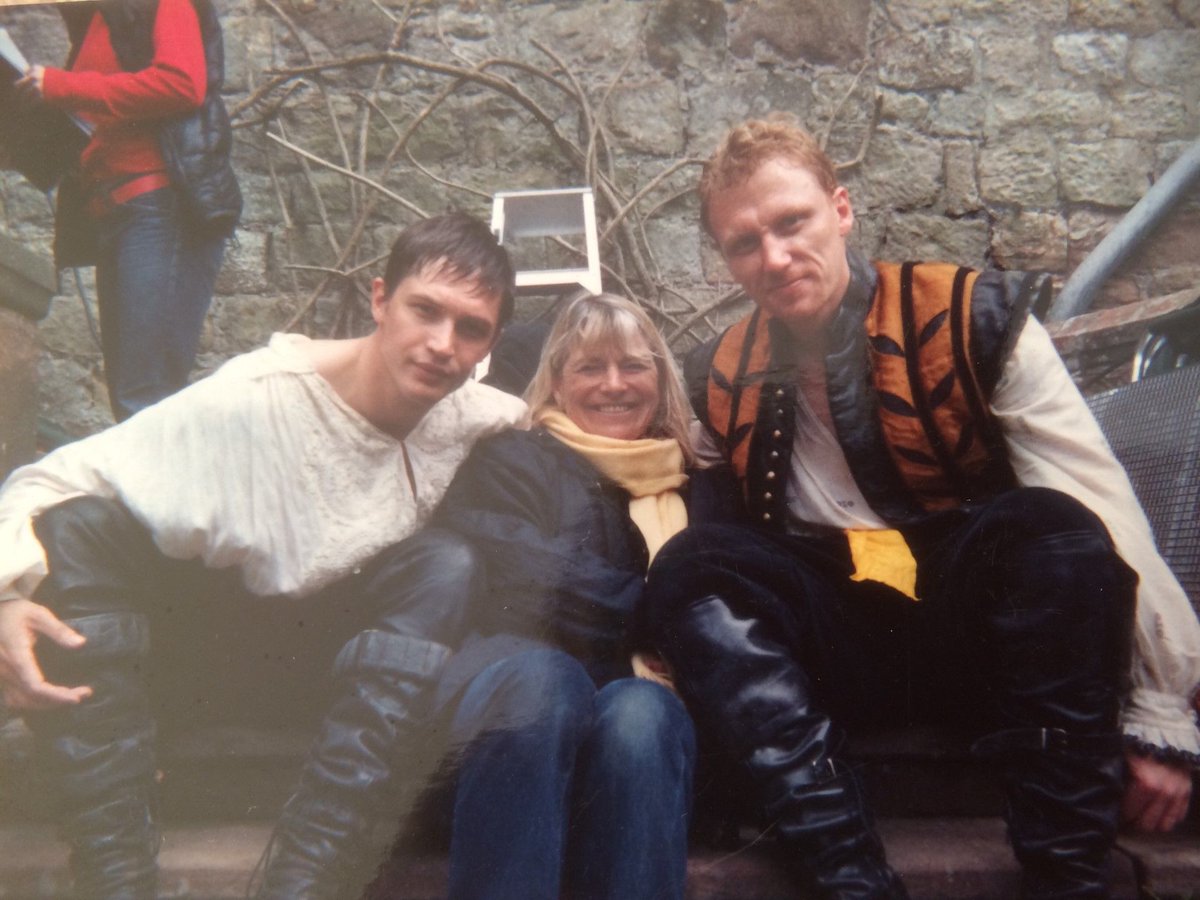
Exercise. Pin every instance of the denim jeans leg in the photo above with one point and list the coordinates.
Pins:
(632, 797)
(520, 722)
(154, 278)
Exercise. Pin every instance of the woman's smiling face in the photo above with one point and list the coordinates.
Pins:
(610, 390)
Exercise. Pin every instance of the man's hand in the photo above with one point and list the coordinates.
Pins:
(30, 86)
(1156, 798)
(22, 682)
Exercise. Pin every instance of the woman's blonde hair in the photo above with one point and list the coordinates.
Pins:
(608, 320)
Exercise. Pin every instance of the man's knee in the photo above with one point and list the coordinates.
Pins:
(713, 543)
(1056, 564)
(546, 690)
(700, 561)
(423, 585)
(1044, 538)
(1035, 512)
(94, 544)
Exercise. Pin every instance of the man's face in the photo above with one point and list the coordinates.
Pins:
(434, 328)
(783, 237)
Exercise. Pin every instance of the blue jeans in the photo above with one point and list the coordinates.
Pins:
(560, 782)
(154, 278)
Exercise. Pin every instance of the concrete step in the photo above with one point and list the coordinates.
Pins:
(964, 859)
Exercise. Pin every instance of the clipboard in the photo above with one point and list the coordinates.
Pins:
(39, 141)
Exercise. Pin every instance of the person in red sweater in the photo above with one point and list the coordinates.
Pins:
(157, 197)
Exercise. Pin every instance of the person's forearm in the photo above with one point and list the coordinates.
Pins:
(173, 82)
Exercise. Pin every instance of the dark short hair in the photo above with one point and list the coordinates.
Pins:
(463, 246)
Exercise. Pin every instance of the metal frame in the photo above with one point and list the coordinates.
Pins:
(550, 213)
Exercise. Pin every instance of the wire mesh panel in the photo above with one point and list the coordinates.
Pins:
(1153, 426)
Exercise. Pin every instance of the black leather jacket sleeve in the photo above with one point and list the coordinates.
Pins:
(563, 562)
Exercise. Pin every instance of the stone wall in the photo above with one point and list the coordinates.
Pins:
(990, 132)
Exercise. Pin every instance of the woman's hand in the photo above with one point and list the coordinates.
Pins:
(1157, 795)
(21, 680)
(31, 85)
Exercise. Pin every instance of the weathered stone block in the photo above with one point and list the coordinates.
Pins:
(1030, 240)
(238, 323)
(1135, 16)
(958, 113)
(913, 15)
(648, 116)
(929, 60)
(931, 237)
(718, 103)
(1082, 113)
(686, 34)
(903, 106)
(18, 390)
(343, 25)
(902, 170)
(1189, 11)
(244, 268)
(1011, 14)
(580, 34)
(961, 193)
(810, 30)
(1012, 61)
(260, 202)
(249, 50)
(72, 395)
(1167, 59)
(1115, 172)
(1021, 172)
(27, 279)
(1150, 115)
(1093, 56)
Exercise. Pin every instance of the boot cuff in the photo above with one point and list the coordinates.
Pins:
(382, 652)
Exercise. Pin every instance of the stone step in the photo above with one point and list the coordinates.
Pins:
(222, 772)
(965, 859)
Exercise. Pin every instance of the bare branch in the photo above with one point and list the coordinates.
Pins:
(720, 303)
(354, 176)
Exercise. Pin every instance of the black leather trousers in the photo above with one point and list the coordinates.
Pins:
(1023, 628)
(108, 579)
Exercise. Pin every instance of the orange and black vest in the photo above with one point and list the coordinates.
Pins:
(915, 351)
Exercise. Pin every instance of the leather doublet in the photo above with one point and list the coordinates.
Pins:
(916, 350)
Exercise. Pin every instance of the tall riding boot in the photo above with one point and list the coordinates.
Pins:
(746, 688)
(99, 756)
(1063, 793)
(328, 842)
(1059, 625)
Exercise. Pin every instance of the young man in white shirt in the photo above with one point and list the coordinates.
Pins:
(306, 469)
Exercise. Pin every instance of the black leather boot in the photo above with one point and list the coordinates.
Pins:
(1059, 625)
(334, 830)
(99, 756)
(745, 688)
(1063, 794)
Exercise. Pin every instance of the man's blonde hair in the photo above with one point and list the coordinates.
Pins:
(745, 147)
(609, 320)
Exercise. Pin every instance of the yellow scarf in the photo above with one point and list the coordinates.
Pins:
(651, 470)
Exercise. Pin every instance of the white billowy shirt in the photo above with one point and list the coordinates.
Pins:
(1053, 441)
(261, 466)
